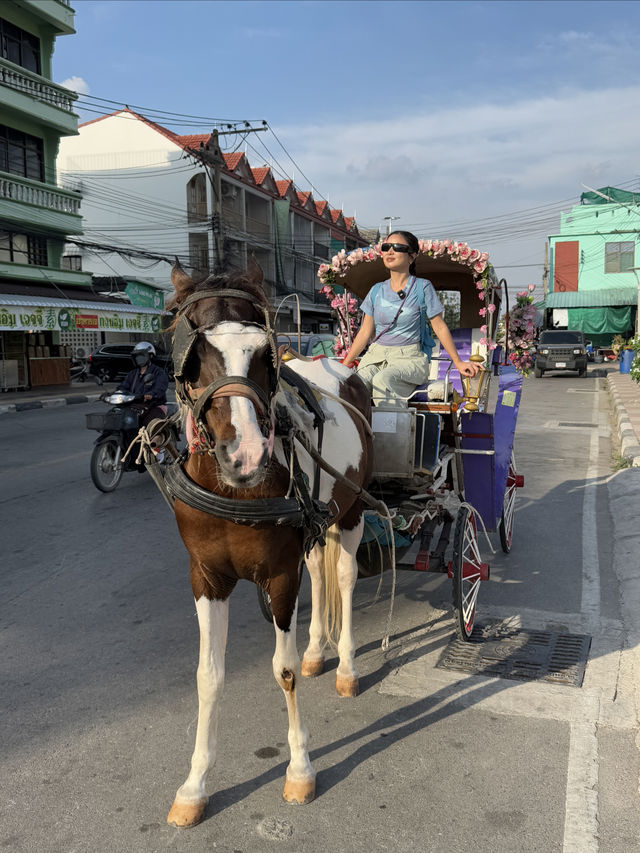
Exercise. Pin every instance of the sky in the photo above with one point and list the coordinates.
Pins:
(478, 121)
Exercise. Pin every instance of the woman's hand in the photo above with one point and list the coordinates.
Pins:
(468, 368)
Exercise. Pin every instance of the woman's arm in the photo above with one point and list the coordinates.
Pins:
(465, 368)
(365, 333)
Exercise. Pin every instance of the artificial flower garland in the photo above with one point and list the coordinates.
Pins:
(347, 306)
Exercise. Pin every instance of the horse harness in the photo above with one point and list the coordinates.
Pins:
(299, 508)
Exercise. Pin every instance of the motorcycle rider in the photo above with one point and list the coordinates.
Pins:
(148, 382)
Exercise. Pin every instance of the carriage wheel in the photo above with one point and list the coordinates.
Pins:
(505, 528)
(264, 601)
(467, 571)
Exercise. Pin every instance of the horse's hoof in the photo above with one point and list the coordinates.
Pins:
(347, 685)
(311, 668)
(186, 814)
(299, 792)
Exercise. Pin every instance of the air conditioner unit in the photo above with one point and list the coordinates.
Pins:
(80, 353)
(229, 191)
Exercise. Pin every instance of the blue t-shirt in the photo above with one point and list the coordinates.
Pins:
(406, 329)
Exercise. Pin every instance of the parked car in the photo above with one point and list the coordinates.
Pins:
(317, 343)
(560, 349)
(111, 361)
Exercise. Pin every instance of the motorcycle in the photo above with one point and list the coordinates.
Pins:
(118, 429)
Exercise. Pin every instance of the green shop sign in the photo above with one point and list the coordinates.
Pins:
(143, 295)
(35, 318)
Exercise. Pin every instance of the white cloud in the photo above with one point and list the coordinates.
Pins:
(469, 162)
(76, 84)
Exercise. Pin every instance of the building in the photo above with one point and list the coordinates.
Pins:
(145, 186)
(594, 264)
(48, 305)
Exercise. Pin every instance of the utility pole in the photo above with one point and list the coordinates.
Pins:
(210, 155)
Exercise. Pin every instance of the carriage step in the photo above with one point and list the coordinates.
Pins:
(426, 562)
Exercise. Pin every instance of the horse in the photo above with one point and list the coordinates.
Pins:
(229, 381)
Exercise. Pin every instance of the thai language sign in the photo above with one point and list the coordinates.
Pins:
(27, 318)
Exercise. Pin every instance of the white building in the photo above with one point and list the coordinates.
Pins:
(146, 188)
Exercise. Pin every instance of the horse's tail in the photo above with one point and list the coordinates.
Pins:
(332, 601)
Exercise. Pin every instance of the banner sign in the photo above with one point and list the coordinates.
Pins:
(142, 294)
(27, 318)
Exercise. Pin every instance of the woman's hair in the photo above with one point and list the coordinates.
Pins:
(412, 243)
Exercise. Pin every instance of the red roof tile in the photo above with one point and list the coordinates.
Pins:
(320, 206)
(303, 198)
(260, 174)
(335, 214)
(231, 160)
(283, 187)
(193, 140)
(348, 221)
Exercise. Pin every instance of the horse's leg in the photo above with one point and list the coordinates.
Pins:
(313, 658)
(191, 800)
(300, 784)
(346, 676)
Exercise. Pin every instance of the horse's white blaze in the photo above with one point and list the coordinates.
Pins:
(237, 343)
(342, 446)
(213, 619)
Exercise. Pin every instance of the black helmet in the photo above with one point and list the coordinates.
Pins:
(143, 352)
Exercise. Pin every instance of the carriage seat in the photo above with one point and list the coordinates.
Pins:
(467, 342)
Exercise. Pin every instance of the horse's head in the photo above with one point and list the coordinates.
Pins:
(224, 367)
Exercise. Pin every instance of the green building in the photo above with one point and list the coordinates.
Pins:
(594, 266)
(49, 308)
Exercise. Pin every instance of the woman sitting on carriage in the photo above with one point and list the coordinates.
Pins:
(394, 321)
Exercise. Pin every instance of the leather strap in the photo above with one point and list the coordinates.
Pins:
(224, 293)
(243, 386)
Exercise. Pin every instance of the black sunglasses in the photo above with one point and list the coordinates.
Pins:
(397, 247)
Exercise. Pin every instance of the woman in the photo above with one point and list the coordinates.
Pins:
(395, 364)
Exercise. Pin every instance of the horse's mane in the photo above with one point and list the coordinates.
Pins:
(249, 282)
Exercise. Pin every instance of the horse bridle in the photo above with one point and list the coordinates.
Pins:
(197, 399)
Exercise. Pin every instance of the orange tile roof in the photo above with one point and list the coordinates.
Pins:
(335, 214)
(303, 198)
(348, 221)
(260, 174)
(231, 160)
(283, 187)
(193, 140)
(320, 206)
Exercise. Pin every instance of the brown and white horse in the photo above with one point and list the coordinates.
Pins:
(246, 461)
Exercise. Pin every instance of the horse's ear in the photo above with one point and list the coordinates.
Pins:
(181, 281)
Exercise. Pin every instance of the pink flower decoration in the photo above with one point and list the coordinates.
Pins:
(491, 308)
(483, 312)
(531, 288)
(483, 328)
(480, 266)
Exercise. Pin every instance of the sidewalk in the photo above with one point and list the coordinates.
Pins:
(52, 396)
(625, 400)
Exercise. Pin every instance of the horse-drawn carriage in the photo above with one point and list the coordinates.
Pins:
(276, 471)
(444, 462)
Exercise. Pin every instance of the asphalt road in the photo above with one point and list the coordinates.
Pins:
(98, 645)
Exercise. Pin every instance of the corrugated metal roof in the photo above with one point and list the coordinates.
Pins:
(592, 298)
(46, 302)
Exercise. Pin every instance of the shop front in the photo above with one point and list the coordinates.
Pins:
(40, 337)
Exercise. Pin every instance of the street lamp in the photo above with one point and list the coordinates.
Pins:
(389, 220)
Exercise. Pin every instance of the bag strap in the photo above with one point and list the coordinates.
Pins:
(427, 341)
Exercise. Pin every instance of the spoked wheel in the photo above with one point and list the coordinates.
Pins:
(106, 465)
(467, 571)
(264, 600)
(505, 528)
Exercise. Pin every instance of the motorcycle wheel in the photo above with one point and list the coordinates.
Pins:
(106, 465)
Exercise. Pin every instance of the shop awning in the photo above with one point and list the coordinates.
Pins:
(601, 298)
(39, 313)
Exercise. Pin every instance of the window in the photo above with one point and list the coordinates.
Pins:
(72, 262)
(199, 251)
(21, 154)
(618, 257)
(197, 199)
(23, 249)
(20, 47)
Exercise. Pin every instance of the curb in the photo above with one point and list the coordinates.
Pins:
(629, 444)
(49, 403)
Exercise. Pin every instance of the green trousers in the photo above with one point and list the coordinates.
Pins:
(393, 373)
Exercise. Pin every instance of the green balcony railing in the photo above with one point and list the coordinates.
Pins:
(16, 77)
(16, 188)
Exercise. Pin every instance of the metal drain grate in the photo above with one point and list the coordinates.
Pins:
(497, 650)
